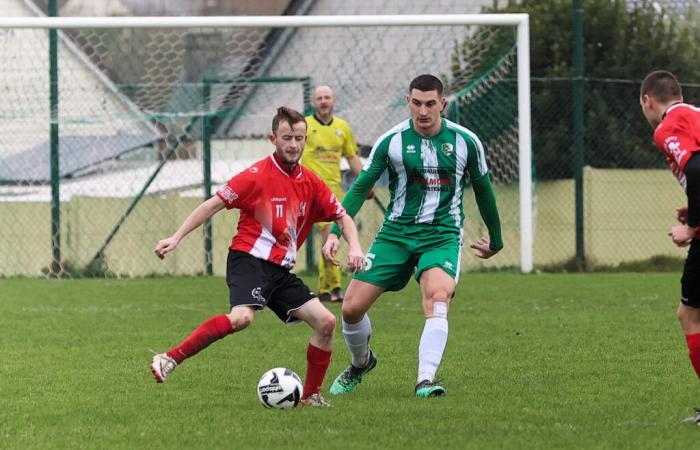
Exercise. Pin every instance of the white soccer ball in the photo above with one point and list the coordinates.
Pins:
(280, 388)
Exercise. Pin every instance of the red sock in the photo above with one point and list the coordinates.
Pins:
(211, 330)
(693, 341)
(318, 361)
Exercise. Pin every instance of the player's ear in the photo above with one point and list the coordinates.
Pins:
(443, 102)
(273, 138)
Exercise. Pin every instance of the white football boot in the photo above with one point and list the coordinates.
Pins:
(162, 366)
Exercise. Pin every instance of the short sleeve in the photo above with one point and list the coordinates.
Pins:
(476, 159)
(327, 206)
(676, 140)
(349, 146)
(237, 191)
(378, 159)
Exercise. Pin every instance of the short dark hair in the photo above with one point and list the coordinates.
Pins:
(289, 115)
(662, 85)
(425, 83)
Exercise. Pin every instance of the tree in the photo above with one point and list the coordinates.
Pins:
(622, 43)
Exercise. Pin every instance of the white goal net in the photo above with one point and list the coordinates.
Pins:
(152, 114)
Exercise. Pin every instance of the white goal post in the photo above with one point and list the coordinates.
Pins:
(520, 21)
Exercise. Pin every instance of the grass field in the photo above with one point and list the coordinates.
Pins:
(542, 361)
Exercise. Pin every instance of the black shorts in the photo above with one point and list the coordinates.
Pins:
(690, 282)
(257, 283)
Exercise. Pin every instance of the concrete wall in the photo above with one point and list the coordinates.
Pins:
(627, 215)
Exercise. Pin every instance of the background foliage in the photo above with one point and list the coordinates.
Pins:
(622, 43)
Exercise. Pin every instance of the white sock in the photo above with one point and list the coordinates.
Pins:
(432, 345)
(357, 339)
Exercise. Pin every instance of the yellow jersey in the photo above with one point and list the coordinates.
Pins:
(325, 146)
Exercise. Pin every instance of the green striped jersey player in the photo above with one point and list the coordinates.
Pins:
(429, 161)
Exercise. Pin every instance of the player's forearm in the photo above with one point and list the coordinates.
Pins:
(355, 197)
(349, 230)
(486, 201)
(692, 190)
(198, 216)
(355, 165)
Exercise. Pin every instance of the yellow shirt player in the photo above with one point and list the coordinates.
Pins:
(329, 139)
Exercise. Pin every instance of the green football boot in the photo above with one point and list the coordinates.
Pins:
(348, 379)
(426, 389)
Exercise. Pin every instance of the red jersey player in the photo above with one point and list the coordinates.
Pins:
(279, 201)
(677, 136)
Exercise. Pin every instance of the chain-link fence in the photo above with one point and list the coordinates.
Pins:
(145, 123)
(140, 114)
(629, 195)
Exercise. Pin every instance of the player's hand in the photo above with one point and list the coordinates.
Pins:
(165, 246)
(682, 235)
(330, 249)
(356, 259)
(682, 215)
(370, 194)
(482, 248)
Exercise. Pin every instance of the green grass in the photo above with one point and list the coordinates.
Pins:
(546, 361)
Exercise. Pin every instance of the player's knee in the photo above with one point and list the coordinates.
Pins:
(688, 317)
(240, 319)
(327, 325)
(439, 294)
(351, 313)
(243, 322)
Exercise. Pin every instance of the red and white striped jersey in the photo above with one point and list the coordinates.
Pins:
(678, 136)
(277, 209)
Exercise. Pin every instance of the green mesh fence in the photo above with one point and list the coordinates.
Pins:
(487, 105)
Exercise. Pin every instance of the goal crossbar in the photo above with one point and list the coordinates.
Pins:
(263, 21)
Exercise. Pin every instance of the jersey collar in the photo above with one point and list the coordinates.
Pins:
(321, 122)
(670, 107)
(442, 128)
(291, 170)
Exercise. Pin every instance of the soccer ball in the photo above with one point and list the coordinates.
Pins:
(280, 388)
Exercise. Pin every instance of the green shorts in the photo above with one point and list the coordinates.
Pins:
(399, 251)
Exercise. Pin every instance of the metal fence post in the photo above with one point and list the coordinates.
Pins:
(578, 134)
(206, 161)
(54, 148)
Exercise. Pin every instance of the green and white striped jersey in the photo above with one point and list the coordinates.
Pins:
(427, 175)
